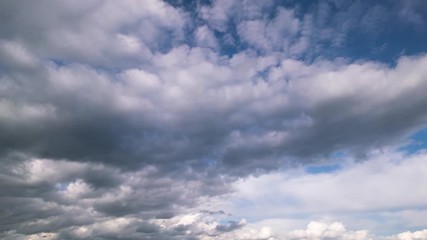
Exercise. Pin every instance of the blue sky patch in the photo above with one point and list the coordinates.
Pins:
(322, 169)
(418, 142)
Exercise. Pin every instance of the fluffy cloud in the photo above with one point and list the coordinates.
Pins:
(130, 119)
(149, 116)
(359, 193)
(269, 36)
(84, 200)
(95, 32)
(412, 235)
(336, 230)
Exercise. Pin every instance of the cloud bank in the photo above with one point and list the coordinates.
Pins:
(199, 120)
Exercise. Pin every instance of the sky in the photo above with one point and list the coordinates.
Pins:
(213, 119)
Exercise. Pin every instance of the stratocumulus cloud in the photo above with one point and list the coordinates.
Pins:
(213, 119)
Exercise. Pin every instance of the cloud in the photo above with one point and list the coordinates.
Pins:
(146, 114)
(318, 230)
(385, 192)
(120, 119)
(412, 235)
(84, 200)
(135, 120)
(205, 37)
(270, 36)
(94, 32)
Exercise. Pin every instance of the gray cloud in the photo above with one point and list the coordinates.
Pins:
(42, 195)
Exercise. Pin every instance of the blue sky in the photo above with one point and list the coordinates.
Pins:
(222, 119)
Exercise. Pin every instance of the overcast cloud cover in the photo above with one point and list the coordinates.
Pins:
(222, 119)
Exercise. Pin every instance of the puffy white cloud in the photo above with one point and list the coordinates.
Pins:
(96, 32)
(412, 235)
(273, 35)
(205, 37)
(319, 230)
(385, 192)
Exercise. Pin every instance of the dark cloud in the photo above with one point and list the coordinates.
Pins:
(41, 196)
(231, 226)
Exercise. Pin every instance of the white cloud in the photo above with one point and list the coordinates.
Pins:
(205, 37)
(382, 184)
(100, 33)
(417, 235)
(319, 230)
(270, 35)
(218, 14)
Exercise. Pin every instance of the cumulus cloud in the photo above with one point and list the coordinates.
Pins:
(120, 119)
(269, 36)
(148, 114)
(360, 193)
(130, 119)
(87, 200)
(94, 32)
(412, 235)
(318, 230)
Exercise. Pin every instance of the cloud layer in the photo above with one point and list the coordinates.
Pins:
(151, 119)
